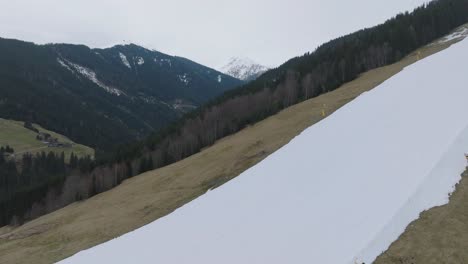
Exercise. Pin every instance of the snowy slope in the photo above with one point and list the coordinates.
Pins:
(243, 69)
(340, 192)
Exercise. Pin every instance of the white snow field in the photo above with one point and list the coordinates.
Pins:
(340, 192)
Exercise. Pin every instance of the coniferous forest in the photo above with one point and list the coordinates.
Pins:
(301, 78)
(29, 179)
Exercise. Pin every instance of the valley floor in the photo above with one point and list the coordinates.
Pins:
(152, 195)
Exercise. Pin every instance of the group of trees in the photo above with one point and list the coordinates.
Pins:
(30, 126)
(6, 149)
(83, 164)
(26, 181)
(329, 66)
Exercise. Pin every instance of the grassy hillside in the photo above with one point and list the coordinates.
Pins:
(22, 140)
(143, 199)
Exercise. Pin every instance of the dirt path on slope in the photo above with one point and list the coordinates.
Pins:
(147, 197)
(440, 235)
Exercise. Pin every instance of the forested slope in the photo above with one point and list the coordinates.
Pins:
(101, 97)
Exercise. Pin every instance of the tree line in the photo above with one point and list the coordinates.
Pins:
(26, 181)
(328, 67)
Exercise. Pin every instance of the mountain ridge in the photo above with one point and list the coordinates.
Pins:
(243, 68)
(126, 90)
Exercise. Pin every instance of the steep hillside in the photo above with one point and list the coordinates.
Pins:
(324, 70)
(340, 192)
(101, 97)
(23, 140)
(328, 67)
(243, 69)
(143, 199)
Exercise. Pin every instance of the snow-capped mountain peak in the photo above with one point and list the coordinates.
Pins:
(243, 68)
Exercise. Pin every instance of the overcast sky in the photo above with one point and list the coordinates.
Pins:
(206, 31)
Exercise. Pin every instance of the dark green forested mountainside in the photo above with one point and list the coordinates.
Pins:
(101, 97)
(329, 66)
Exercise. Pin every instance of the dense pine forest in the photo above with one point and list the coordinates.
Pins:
(328, 67)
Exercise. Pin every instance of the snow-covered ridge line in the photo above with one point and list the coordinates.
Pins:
(340, 192)
(243, 69)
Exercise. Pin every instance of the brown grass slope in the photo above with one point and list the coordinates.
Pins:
(147, 197)
(440, 235)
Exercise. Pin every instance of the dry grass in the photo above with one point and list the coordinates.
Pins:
(440, 235)
(149, 196)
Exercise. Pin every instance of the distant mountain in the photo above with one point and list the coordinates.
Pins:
(101, 97)
(243, 68)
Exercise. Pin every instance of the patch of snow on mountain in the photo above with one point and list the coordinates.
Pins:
(161, 62)
(182, 105)
(184, 78)
(89, 74)
(340, 192)
(460, 33)
(150, 99)
(243, 69)
(168, 61)
(456, 35)
(140, 60)
(124, 60)
(63, 64)
(220, 78)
